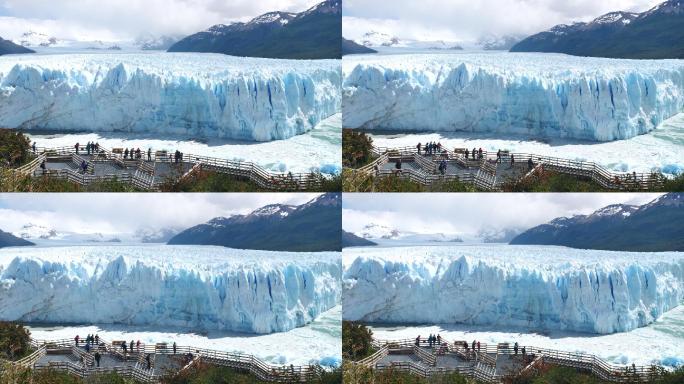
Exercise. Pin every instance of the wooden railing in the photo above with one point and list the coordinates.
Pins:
(239, 361)
(486, 176)
(484, 363)
(263, 178)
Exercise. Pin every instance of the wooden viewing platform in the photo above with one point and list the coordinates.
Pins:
(492, 363)
(488, 174)
(65, 355)
(151, 173)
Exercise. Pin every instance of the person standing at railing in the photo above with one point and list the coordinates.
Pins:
(132, 344)
(175, 347)
(76, 339)
(417, 147)
(34, 147)
(124, 347)
(478, 346)
(97, 339)
(76, 147)
(97, 358)
(126, 154)
(498, 156)
(512, 160)
(515, 348)
(137, 346)
(149, 154)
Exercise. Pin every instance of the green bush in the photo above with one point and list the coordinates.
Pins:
(15, 148)
(356, 340)
(356, 148)
(14, 341)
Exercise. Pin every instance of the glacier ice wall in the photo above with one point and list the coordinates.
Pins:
(207, 288)
(545, 288)
(197, 95)
(540, 95)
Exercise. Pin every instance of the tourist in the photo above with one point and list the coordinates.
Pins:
(515, 347)
(34, 147)
(84, 166)
(76, 339)
(132, 344)
(87, 347)
(149, 154)
(417, 147)
(97, 339)
(88, 148)
(149, 363)
(480, 154)
(474, 344)
(124, 347)
(474, 153)
(126, 154)
(512, 160)
(498, 156)
(137, 346)
(97, 147)
(175, 347)
(439, 339)
(76, 147)
(523, 351)
(478, 346)
(97, 358)
(42, 165)
(397, 165)
(467, 153)
(418, 341)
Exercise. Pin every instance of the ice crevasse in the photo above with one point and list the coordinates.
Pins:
(483, 287)
(205, 96)
(547, 96)
(202, 288)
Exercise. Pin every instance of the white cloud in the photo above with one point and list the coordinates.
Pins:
(469, 213)
(125, 213)
(127, 19)
(468, 20)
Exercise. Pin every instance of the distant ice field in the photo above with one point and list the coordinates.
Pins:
(319, 149)
(317, 342)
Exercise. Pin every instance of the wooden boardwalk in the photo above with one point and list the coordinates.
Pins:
(150, 173)
(492, 363)
(488, 173)
(65, 355)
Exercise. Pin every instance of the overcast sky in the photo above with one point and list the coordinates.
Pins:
(115, 20)
(467, 214)
(468, 20)
(127, 212)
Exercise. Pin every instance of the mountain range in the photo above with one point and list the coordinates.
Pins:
(313, 34)
(654, 227)
(311, 227)
(350, 47)
(351, 240)
(7, 47)
(654, 34)
(9, 240)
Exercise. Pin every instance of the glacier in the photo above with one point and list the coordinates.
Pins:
(197, 287)
(542, 287)
(540, 95)
(204, 96)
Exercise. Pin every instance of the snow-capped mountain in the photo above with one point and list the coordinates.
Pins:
(497, 235)
(653, 227)
(655, 34)
(155, 235)
(314, 226)
(36, 39)
(312, 34)
(34, 231)
(498, 42)
(151, 42)
(379, 39)
(378, 231)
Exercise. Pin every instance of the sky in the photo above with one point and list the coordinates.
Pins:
(469, 20)
(468, 214)
(121, 20)
(112, 213)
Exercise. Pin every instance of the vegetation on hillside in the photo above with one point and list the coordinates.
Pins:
(14, 341)
(356, 148)
(15, 148)
(356, 341)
